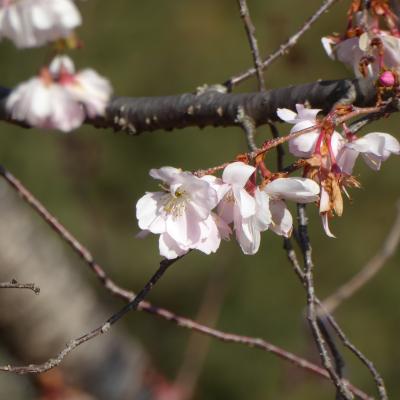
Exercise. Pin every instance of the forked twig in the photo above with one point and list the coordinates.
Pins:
(251, 35)
(312, 315)
(73, 344)
(283, 48)
(163, 313)
(13, 284)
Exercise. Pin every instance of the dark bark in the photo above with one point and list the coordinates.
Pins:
(213, 108)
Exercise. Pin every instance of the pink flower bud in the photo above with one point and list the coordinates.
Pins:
(387, 79)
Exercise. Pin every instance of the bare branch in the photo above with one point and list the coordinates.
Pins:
(13, 284)
(283, 48)
(387, 250)
(131, 306)
(163, 313)
(311, 312)
(251, 36)
(369, 364)
(326, 314)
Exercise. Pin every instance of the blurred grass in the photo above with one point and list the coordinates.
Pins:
(91, 180)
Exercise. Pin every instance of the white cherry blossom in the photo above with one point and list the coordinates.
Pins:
(244, 210)
(32, 23)
(304, 145)
(374, 148)
(181, 214)
(42, 103)
(299, 190)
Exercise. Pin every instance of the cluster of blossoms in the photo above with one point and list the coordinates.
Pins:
(331, 156)
(194, 212)
(197, 212)
(369, 50)
(59, 97)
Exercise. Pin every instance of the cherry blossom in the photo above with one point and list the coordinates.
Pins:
(86, 86)
(43, 103)
(32, 23)
(244, 210)
(353, 50)
(299, 190)
(181, 214)
(305, 144)
(374, 148)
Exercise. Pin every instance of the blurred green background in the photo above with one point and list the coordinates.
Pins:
(92, 178)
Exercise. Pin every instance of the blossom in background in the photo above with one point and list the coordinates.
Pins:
(86, 87)
(43, 103)
(181, 214)
(60, 98)
(374, 147)
(353, 50)
(32, 23)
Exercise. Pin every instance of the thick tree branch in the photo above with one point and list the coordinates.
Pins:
(213, 108)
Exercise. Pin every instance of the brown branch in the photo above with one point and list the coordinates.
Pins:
(311, 312)
(251, 36)
(388, 249)
(283, 48)
(131, 306)
(380, 384)
(13, 284)
(165, 314)
(326, 314)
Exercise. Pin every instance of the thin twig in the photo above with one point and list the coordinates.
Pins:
(163, 313)
(388, 249)
(251, 36)
(13, 284)
(326, 314)
(380, 384)
(73, 344)
(311, 312)
(283, 48)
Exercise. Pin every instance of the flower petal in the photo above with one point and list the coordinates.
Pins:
(165, 174)
(300, 190)
(149, 212)
(169, 248)
(237, 174)
(325, 224)
(287, 115)
(282, 221)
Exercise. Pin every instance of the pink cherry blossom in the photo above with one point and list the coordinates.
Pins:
(350, 51)
(86, 87)
(374, 148)
(32, 23)
(181, 214)
(42, 103)
(304, 145)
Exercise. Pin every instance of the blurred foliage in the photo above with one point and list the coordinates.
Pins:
(92, 178)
